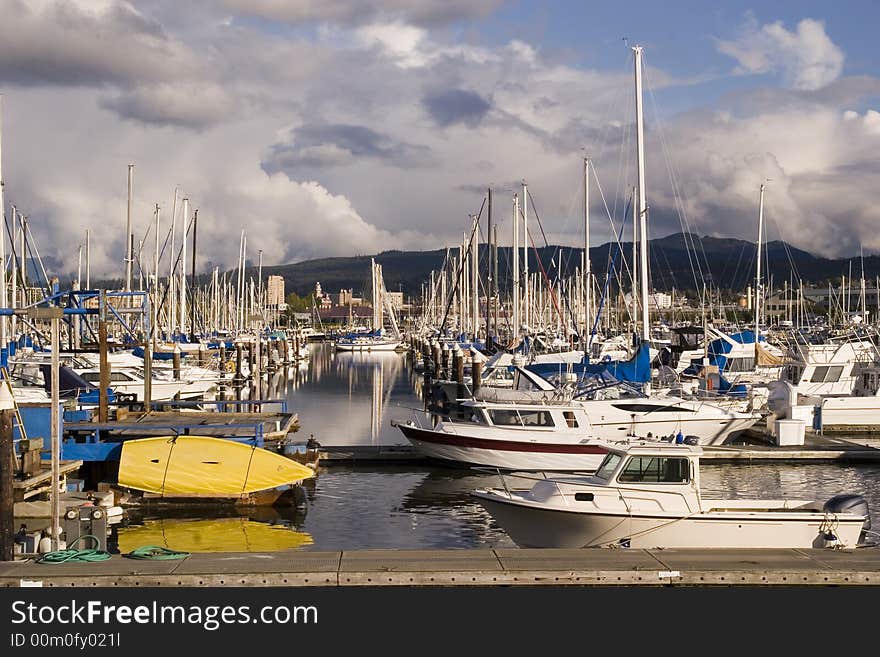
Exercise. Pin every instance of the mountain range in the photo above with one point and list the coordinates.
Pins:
(683, 261)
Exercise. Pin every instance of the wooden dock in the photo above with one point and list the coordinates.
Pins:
(479, 567)
(274, 426)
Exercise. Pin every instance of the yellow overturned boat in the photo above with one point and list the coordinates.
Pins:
(203, 467)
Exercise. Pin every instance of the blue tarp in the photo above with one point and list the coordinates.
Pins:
(717, 352)
(157, 355)
(635, 370)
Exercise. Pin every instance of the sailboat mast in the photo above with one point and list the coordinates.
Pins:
(526, 296)
(585, 269)
(490, 288)
(758, 295)
(128, 237)
(182, 302)
(4, 301)
(515, 291)
(475, 276)
(643, 207)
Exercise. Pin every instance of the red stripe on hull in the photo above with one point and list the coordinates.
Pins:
(442, 438)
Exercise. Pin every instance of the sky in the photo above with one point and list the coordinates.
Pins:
(343, 127)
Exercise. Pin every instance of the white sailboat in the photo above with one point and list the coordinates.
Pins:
(377, 339)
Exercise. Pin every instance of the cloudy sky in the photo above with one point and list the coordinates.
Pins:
(336, 127)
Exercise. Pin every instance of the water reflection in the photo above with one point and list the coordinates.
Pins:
(254, 530)
(358, 507)
(805, 481)
(350, 398)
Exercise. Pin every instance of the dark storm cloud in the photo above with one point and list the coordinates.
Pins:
(456, 106)
(329, 145)
(418, 12)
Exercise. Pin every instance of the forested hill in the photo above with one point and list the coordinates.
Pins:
(680, 260)
(683, 261)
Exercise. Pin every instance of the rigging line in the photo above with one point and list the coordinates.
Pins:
(30, 244)
(461, 264)
(683, 218)
(611, 221)
(550, 286)
(608, 275)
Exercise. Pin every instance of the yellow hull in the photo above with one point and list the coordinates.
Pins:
(216, 535)
(199, 466)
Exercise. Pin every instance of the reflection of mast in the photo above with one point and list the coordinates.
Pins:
(376, 402)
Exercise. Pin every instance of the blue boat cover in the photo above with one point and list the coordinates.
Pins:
(635, 370)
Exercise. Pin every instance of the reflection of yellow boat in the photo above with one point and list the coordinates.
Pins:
(199, 466)
(215, 535)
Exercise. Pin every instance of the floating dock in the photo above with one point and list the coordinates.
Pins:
(815, 449)
(480, 567)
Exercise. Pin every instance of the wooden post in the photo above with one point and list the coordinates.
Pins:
(476, 373)
(222, 359)
(238, 359)
(55, 431)
(7, 470)
(104, 366)
(148, 376)
(458, 366)
(176, 363)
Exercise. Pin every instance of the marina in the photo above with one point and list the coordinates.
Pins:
(523, 407)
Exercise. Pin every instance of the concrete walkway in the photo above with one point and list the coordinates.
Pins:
(511, 567)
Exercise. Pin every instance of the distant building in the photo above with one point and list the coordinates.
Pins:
(275, 292)
(661, 300)
(346, 298)
(396, 300)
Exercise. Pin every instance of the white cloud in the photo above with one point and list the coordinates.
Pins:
(807, 57)
(360, 164)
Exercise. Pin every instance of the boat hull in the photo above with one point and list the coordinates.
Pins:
(534, 527)
(198, 467)
(505, 454)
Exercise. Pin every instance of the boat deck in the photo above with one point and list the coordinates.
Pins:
(479, 567)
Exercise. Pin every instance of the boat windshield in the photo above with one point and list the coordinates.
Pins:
(607, 467)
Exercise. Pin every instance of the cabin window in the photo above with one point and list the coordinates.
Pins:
(570, 419)
(606, 468)
(827, 374)
(793, 373)
(512, 417)
(655, 469)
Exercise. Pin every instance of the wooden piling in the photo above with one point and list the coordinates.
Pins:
(104, 368)
(176, 363)
(476, 373)
(7, 474)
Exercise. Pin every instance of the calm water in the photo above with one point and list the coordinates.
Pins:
(351, 399)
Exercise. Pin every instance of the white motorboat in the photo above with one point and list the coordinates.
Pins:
(648, 496)
(836, 383)
(535, 426)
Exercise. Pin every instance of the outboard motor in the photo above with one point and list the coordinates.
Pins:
(848, 503)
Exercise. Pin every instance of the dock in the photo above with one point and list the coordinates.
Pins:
(815, 449)
(272, 426)
(472, 567)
